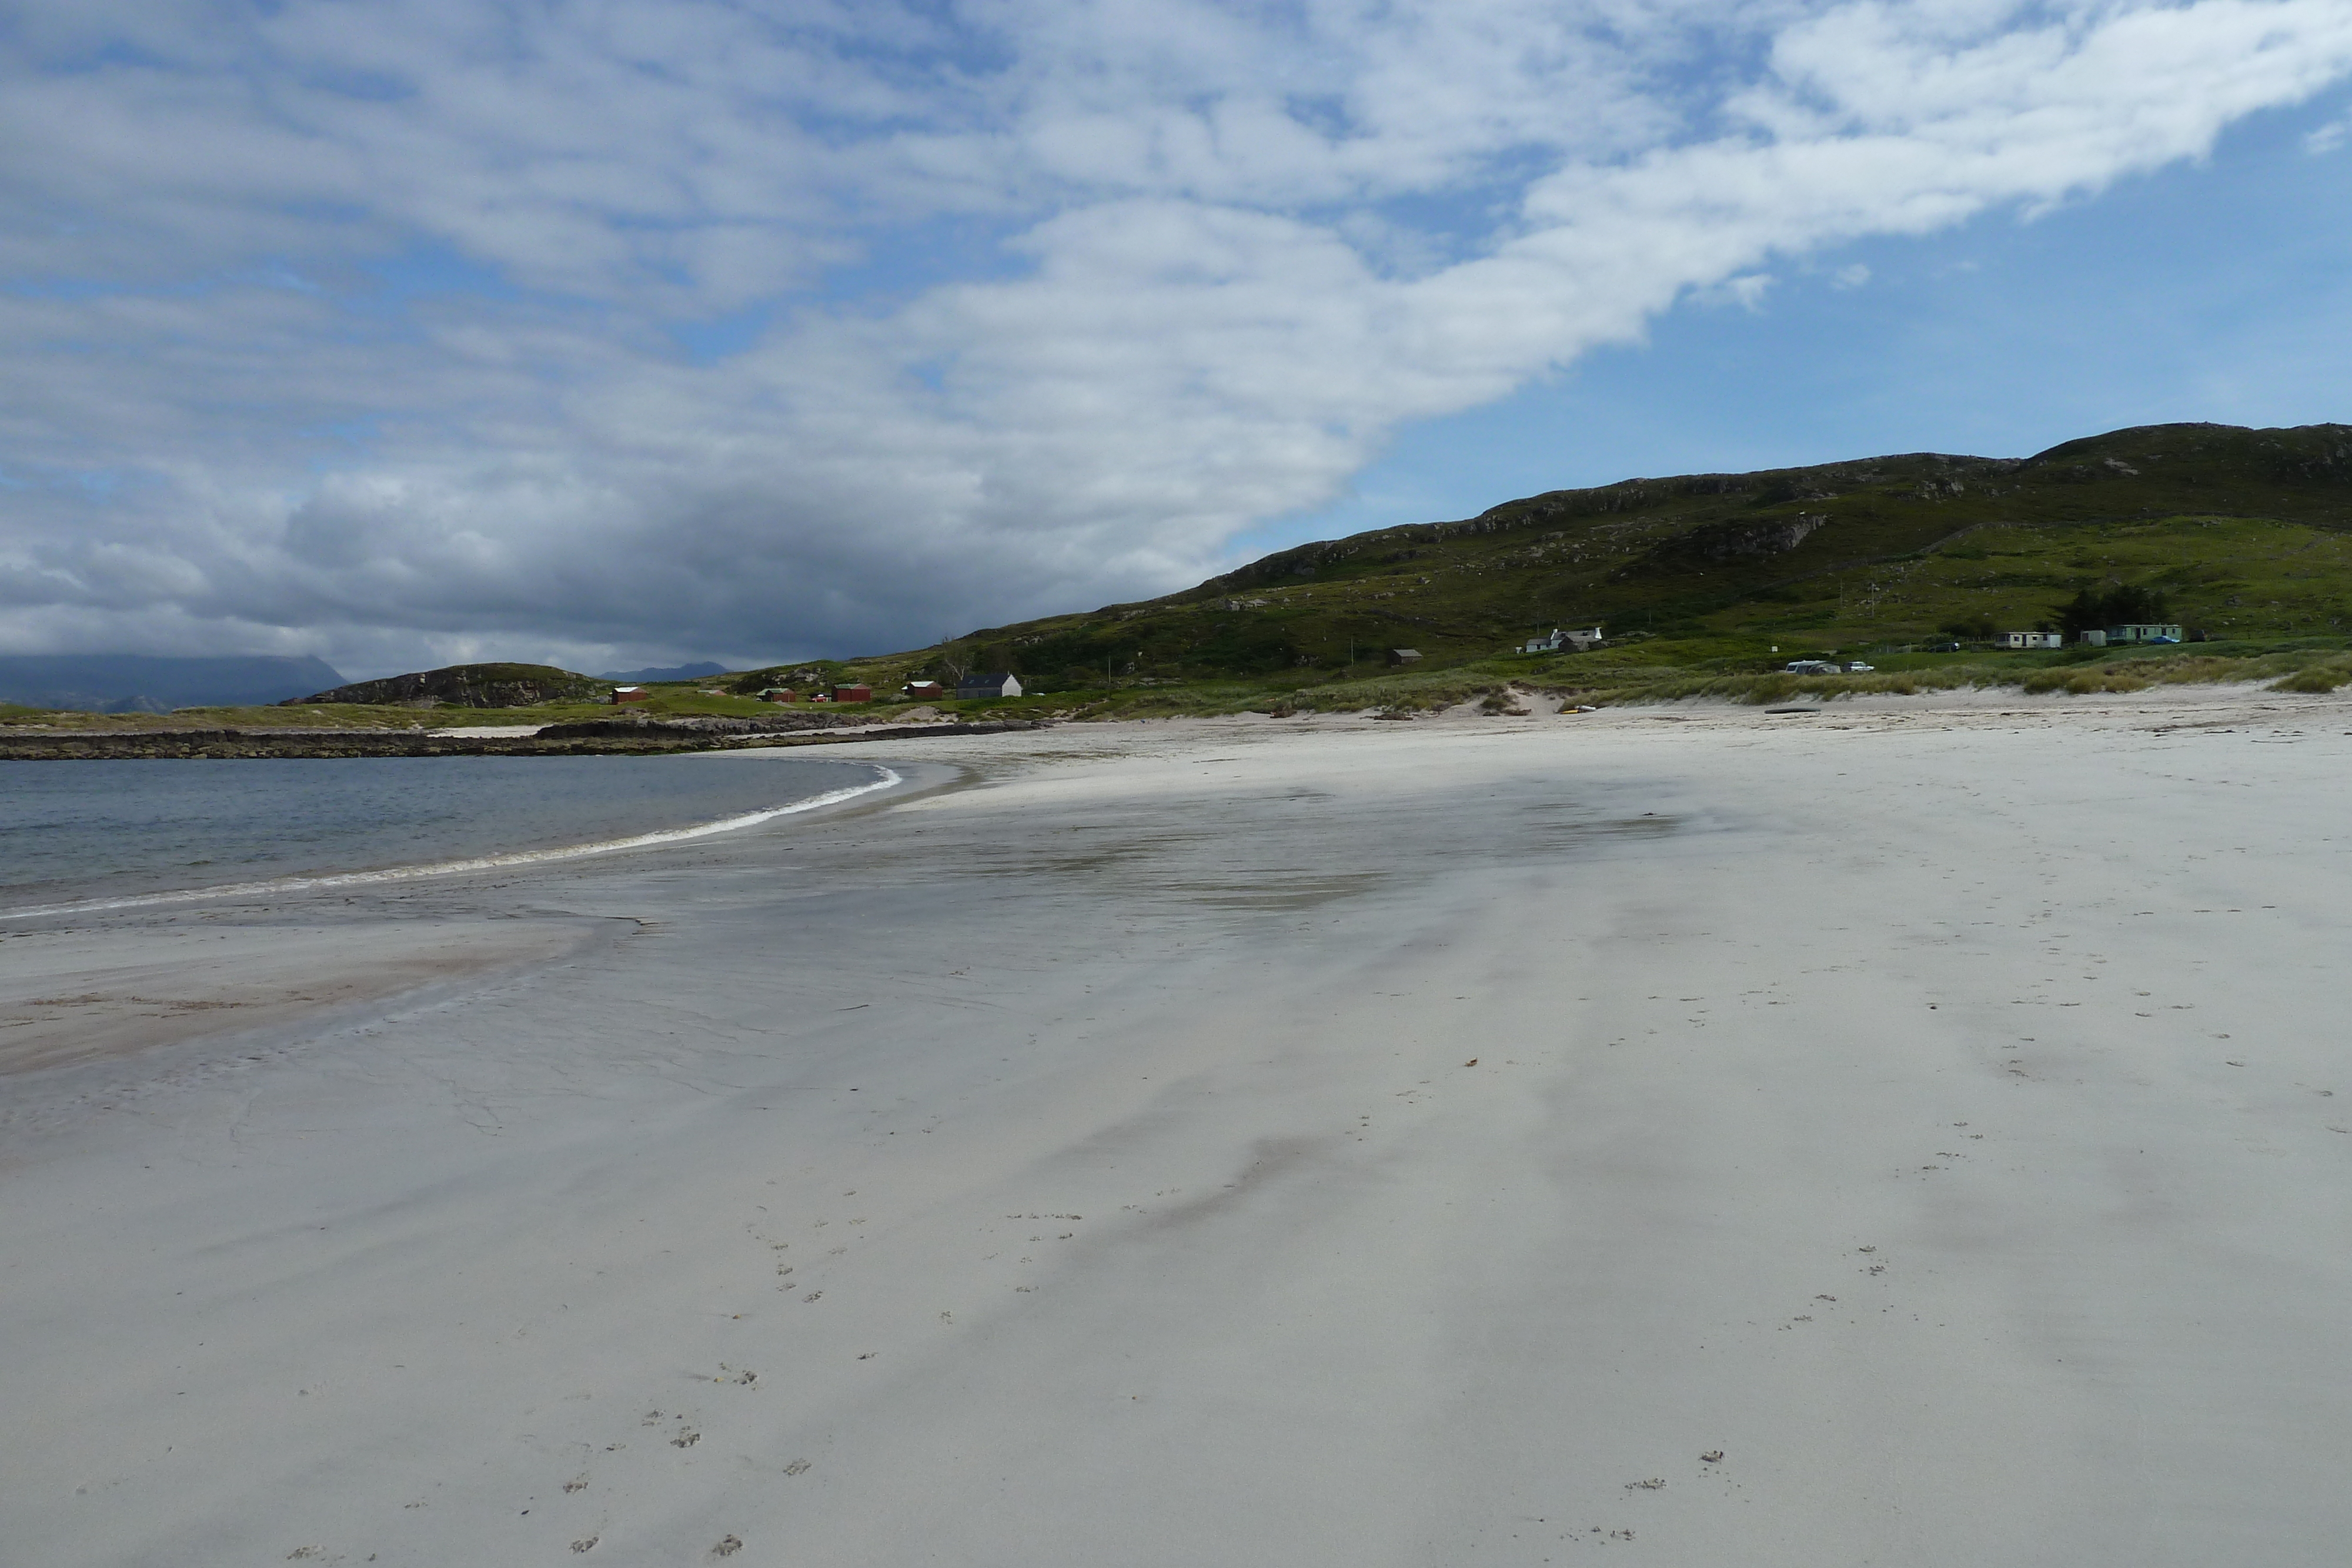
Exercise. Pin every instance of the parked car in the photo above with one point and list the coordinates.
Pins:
(1856, 668)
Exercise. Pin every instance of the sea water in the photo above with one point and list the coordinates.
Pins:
(88, 830)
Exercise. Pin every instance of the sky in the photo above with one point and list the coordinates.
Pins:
(410, 333)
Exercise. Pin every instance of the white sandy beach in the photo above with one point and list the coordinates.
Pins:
(1913, 1133)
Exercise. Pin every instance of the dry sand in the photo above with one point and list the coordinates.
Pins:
(1692, 1136)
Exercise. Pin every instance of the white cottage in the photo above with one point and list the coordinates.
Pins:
(1581, 639)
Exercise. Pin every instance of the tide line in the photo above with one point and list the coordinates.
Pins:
(888, 777)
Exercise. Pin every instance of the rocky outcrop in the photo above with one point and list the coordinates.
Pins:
(644, 728)
(596, 737)
(1736, 540)
(465, 685)
(626, 724)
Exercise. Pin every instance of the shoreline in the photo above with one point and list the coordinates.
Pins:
(279, 887)
(1906, 1136)
(638, 734)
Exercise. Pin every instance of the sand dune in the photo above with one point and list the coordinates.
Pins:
(1920, 1136)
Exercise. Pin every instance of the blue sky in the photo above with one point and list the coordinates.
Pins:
(647, 331)
(2217, 290)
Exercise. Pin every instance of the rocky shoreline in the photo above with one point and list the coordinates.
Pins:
(629, 736)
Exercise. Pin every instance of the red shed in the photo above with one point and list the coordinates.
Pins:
(927, 691)
(853, 694)
(630, 694)
(779, 694)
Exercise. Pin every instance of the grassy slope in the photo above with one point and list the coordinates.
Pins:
(2247, 530)
(1723, 576)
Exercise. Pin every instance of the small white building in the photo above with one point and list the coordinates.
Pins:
(1000, 685)
(1581, 639)
(2145, 633)
(2033, 640)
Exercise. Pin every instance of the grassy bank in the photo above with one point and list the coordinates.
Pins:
(1662, 672)
(1644, 671)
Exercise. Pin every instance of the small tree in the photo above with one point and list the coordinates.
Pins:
(2092, 610)
(2131, 606)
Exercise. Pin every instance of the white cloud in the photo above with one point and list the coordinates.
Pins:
(351, 328)
(1746, 290)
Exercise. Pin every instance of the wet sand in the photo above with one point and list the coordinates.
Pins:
(1909, 1136)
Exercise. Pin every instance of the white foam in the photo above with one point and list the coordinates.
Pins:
(481, 862)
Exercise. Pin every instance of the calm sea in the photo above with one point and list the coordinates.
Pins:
(71, 832)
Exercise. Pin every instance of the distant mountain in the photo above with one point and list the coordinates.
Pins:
(138, 682)
(682, 673)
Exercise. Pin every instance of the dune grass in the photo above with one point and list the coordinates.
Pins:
(2316, 665)
(2324, 677)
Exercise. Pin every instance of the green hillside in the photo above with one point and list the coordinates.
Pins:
(2246, 533)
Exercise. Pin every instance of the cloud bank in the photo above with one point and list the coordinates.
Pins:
(417, 330)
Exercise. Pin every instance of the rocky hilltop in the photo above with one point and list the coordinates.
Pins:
(465, 685)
